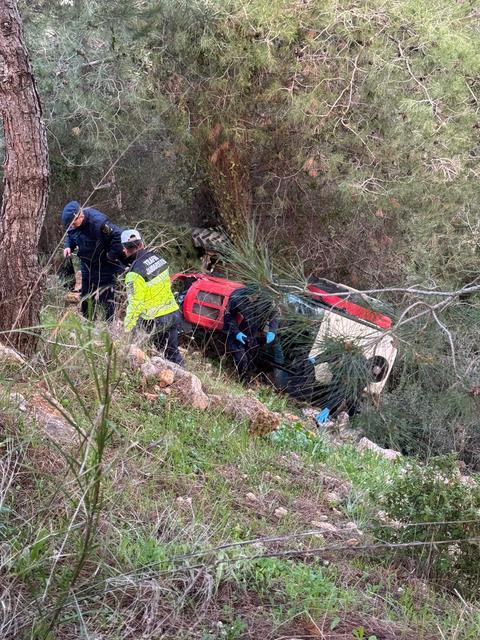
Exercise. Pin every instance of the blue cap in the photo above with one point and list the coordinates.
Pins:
(69, 212)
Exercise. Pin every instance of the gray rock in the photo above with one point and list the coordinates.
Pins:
(389, 454)
(188, 389)
(324, 527)
(260, 419)
(19, 401)
(49, 419)
(10, 356)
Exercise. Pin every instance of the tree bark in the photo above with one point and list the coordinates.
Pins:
(25, 185)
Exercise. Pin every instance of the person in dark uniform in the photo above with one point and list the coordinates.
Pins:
(250, 322)
(98, 246)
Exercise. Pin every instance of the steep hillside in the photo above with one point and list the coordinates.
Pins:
(126, 513)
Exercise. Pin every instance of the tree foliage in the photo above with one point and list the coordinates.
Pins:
(349, 128)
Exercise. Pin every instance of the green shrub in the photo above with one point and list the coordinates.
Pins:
(433, 505)
(431, 406)
(305, 587)
(295, 437)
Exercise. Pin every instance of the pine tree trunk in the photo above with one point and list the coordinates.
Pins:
(25, 185)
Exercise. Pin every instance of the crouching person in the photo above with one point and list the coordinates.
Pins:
(151, 303)
(251, 323)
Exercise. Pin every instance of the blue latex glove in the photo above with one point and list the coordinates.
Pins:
(322, 417)
(241, 337)
(270, 337)
(312, 360)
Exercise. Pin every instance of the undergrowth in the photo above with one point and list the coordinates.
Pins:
(156, 519)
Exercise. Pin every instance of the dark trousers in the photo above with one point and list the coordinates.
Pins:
(243, 354)
(253, 354)
(66, 274)
(104, 286)
(164, 333)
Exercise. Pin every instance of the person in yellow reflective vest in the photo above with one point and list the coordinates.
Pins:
(151, 303)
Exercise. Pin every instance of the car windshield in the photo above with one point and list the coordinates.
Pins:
(304, 307)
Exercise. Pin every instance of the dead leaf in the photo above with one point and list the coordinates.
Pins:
(352, 542)
(312, 629)
(215, 132)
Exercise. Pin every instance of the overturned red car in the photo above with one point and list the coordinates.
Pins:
(336, 311)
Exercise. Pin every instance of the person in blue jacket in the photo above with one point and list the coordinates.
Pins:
(250, 322)
(99, 248)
